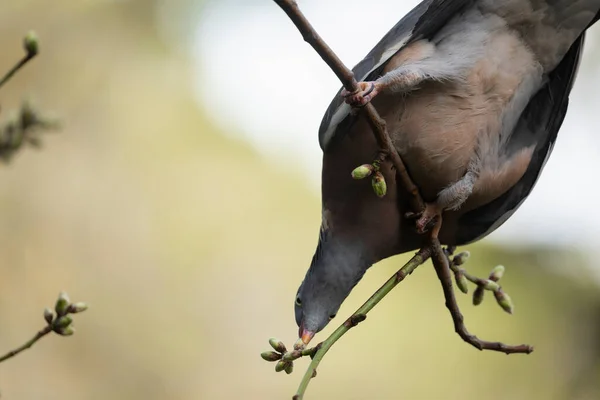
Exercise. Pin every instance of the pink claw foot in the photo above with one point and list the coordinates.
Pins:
(428, 219)
(365, 93)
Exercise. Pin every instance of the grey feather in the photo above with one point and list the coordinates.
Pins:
(539, 124)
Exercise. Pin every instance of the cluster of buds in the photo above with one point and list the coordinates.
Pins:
(23, 127)
(61, 322)
(285, 359)
(491, 283)
(377, 180)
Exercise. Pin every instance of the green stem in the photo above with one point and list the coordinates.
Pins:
(27, 345)
(471, 278)
(359, 316)
(17, 67)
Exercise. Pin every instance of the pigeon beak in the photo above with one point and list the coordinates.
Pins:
(305, 335)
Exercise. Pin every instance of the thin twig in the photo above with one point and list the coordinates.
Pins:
(27, 345)
(471, 278)
(360, 316)
(16, 68)
(442, 268)
(378, 125)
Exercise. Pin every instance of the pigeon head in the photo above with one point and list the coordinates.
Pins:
(335, 269)
(358, 229)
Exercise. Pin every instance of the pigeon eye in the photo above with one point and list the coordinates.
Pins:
(332, 316)
(298, 302)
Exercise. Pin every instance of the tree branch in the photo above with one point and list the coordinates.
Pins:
(27, 345)
(442, 268)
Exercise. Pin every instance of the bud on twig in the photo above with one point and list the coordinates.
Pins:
(277, 345)
(478, 295)
(504, 301)
(363, 171)
(77, 308)
(270, 356)
(280, 366)
(68, 331)
(30, 44)
(62, 303)
(461, 258)
(48, 316)
(379, 185)
(292, 355)
(490, 285)
(497, 273)
(461, 282)
(289, 368)
(62, 322)
(299, 345)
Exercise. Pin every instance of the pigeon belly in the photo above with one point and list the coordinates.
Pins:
(442, 127)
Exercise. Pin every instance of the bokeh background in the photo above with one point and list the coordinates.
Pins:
(181, 201)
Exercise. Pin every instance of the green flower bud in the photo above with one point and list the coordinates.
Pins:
(68, 331)
(270, 356)
(30, 44)
(277, 345)
(478, 295)
(292, 355)
(379, 185)
(504, 301)
(461, 258)
(77, 308)
(462, 282)
(48, 316)
(62, 304)
(280, 366)
(491, 285)
(363, 171)
(299, 345)
(497, 273)
(61, 322)
(289, 368)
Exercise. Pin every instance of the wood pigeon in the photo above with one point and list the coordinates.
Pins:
(474, 93)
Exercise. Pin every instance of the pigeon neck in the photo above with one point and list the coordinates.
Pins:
(340, 261)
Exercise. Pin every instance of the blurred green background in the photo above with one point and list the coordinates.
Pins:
(189, 246)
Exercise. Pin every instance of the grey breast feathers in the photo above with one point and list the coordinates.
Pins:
(539, 125)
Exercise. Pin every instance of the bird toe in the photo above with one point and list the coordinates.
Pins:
(365, 93)
(429, 218)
